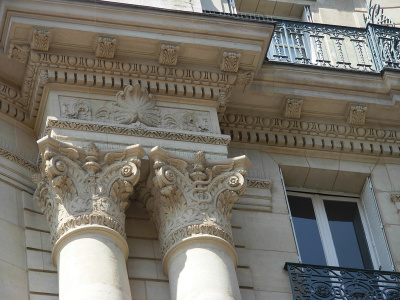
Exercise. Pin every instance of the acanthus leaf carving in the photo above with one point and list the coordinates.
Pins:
(19, 52)
(40, 40)
(133, 104)
(357, 114)
(168, 55)
(79, 187)
(77, 110)
(105, 47)
(194, 197)
(244, 78)
(230, 62)
(293, 108)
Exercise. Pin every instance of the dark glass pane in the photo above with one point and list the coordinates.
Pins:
(306, 229)
(348, 234)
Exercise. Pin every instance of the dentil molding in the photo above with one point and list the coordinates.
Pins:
(79, 187)
(293, 133)
(193, 197)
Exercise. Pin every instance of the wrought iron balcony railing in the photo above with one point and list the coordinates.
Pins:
(368, 49)
(328, 283)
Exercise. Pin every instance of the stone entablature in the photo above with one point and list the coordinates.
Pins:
(46, 68)
(193, 197)
(79, 187)
(291, 133)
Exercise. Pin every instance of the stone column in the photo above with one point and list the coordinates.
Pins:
(83, 194)
(192, 208)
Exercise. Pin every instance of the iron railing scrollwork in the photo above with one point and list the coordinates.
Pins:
(329, 283)
(368, 49)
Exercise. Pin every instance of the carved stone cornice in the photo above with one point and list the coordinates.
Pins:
(79, 187)
(43, 68)
(311, 135)
(194, 197)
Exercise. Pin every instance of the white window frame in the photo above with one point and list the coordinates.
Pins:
(323, 226)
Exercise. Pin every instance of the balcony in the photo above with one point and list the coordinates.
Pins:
(328, 283)
(370, 49)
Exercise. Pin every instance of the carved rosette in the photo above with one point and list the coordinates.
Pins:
(79, 187)
(194, 197)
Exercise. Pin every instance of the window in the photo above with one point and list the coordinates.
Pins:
(339, 231)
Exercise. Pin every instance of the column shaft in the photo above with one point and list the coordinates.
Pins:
(202, 269)
(92, 265)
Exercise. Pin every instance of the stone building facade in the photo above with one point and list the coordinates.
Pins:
(191, 149)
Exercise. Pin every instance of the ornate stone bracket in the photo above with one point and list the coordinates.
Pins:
(357, 114)
(79, 187)
(230, 62)
(105, 47)
(40, 40)
(293, 108)
(168, 55)
(194, 197)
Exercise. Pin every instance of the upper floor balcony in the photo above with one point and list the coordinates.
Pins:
(369, 49)
(329, 283)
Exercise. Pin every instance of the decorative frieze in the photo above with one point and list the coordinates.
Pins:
(138, 131)
(194, 197)
(310, 135)
(79, 187)
(168, 55)
(357, 115)
(19, 52)
(135, 106)
(40, 40)
(237, 121)
(105, 47)
(230, 62)
(292, 108)
(132, 105)
(18, 160)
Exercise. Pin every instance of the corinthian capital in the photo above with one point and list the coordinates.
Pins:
(194, 197)
(79, 187)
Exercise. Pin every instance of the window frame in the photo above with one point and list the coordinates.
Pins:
(328, 246)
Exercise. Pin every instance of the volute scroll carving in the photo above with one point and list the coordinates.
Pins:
(194, 197)
(79, 187)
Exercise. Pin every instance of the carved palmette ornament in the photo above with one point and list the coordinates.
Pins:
(79, 187)
(194, 197)
(132, 105)
(357, 114)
